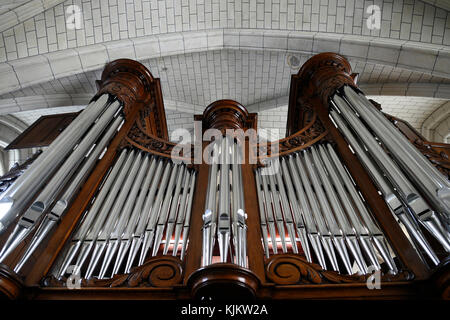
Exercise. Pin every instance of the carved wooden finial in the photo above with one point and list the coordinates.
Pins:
(227, 114)
(129, 80)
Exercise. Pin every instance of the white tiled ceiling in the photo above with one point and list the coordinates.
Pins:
(248, 76)
(106, 20)
(7, 5)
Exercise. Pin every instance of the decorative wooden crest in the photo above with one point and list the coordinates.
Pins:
(133, 84)
(319, 78)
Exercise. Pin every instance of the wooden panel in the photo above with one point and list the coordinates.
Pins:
(43, 131)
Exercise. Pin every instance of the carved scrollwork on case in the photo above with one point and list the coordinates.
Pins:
(292, 269)
(312, 133)
(157, 272)
(137, 137)
(289, 269)
(439, 159)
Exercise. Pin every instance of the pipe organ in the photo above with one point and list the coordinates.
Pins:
(112, 209)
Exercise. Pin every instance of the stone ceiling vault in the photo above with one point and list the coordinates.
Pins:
(207, 50)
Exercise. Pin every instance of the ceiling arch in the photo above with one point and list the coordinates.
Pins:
(436, 122)
(208, 50)
(40, 26)
(19, 74)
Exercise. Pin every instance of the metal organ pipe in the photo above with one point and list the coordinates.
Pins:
(112, 210)
(419, 169)
(140, 190)
(113, 241)
(230, 217)
(187, 217)
(296, 211)
(339, 220)
(369, 225)
(91, 215)
(223, 224)
(47, 196)
(390, 196)
(409, 200)
(16, 198)
(425, 176)
(125, 237)
(60, 207)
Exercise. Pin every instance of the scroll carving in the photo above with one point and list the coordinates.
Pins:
(289, 269)
(138, 137)
(440, 159)
(157, 272)
(312, 133)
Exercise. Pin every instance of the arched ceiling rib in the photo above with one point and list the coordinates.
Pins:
(104, 21)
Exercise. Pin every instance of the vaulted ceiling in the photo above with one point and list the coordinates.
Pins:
(204, 50)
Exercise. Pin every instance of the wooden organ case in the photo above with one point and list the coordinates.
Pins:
(113, 210)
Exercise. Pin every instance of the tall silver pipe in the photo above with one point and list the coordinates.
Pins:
(236, 198)
(406, 190)
(180, 216)
(376, 235)
(285, 206)
(15, 199)
(52, 218)
(337, 236)
(240, 216)
(156, 207)
(116, 234)
(427, 178)
(297, 213)
(394, 203)
(324, 233)
(187, 219)
(270, 214)
(125, 239)
(347, 229)
(87, 221)
(419, 169)
(277, 210)
(262, 213)
(176, 209)
(62, 176)
(113, 217)
(103, 215)
(224, 219)
(210, 215)
(175, 179)
(138, 233)
(361, 232)
(311, 212)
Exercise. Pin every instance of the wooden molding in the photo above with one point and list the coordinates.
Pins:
(10, 284)
(222, 281)
(292, 269)
(227, 114)
(158, 272)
